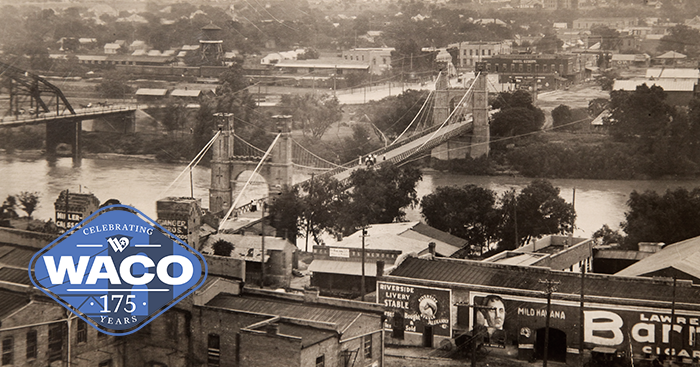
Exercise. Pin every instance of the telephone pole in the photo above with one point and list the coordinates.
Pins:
(362, 281)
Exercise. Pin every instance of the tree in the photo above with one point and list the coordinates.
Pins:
(670, 218)
(517, 114)
(379, 195)
(286, 211)
(640, 116)
(682, 39)
(596, 106)
(549, 44)
(538, 210)
(606, 236)
(561, 115)
(394, 114)
(222, 248)
(28, 201)
(114, 85)
(609, 37)
(8, 208)
(468, 212)
(316, 113)
(323, 201)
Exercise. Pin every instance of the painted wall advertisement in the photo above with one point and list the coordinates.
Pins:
(419, 307)
(647, 331)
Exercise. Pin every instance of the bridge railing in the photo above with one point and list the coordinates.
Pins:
(45, 116)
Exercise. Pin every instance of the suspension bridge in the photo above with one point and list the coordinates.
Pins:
(455, 113)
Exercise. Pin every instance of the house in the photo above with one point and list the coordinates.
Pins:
(276, 57)
(150, 95)
(670, 58)
(111, 48)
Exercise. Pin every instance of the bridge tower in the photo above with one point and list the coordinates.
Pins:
(480, 114)
(226, 167)
(220, 190)
(446, 100)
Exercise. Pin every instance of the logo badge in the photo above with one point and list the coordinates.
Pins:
(118, 270)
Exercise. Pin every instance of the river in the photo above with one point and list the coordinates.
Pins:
(140, 183)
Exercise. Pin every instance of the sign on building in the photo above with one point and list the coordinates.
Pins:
(420, 307)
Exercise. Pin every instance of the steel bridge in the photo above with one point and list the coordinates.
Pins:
(30, 99)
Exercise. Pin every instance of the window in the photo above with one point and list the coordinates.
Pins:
(483, 52)
(320, 361)
(384, 60)
(56, 338)
(31, 344)
(471, 52)
(7, 346)
(529, 68)
(368, 346)
(489, 52)
(213, 350)
(171, 326)
(544, 68)
(465, 52)
(82, 332)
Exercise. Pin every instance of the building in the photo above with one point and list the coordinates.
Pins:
(555, 252)
(560, 4)
(182, 217)
(72, 208)
(678, 92)
(678, 260)
(337, 266)
(281, 256)
(319, 73)
(378, 58)
(550, 71)
(610, 259)
(671, 73)
(302, 330)
(632, 60)
(427, 302)
(613, 23)
(472, 52)
(150, 95)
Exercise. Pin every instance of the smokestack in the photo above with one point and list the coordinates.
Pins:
(380, 268)
(431, 248)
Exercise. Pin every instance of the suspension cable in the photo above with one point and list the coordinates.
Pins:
(314, 155)
(248, 144)
(414, 118)
(193, 163)
(233, 205)
(461, 101)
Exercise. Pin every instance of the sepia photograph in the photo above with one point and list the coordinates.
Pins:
(350, 183)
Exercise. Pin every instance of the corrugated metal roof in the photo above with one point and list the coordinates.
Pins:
(343, 267)
(528, 278)
(439, 235)
(18, 257)
(342, 318)
(11, 302)
(13, 275)
(669, 85)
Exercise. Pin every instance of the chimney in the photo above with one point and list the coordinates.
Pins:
(380, 268)
(272, 328)
(431, 248)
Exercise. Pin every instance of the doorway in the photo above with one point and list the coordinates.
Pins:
(428, 336)
(557, 345)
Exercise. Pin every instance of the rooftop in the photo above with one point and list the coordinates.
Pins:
(526, 278)
(11, 302)
(669, 85)
(683, 256)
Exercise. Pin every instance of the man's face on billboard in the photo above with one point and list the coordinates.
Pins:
(495, 314)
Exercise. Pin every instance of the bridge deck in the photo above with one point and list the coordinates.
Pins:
(80, 113)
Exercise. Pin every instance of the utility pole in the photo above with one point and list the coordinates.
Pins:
(673, 320)
(580, 317)
(362, 281)
(550, 287)
(308, 221)
(262, 256)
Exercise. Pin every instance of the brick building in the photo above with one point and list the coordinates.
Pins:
(378, 58)
(550, 71)
(631, 317)
(72, 207)
(469, 53)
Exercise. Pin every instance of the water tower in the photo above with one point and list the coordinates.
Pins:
(211, 45)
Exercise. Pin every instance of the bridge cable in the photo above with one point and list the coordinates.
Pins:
(197, 158)
(414, 118)
(314, 155)
(452, 113)
(233, 205)
(255, 149)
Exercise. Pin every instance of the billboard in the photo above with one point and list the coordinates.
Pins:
(646, 331)
(417, 306)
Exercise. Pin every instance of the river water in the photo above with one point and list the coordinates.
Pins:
(140, 183)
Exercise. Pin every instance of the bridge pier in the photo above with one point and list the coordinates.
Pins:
(67, 131)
